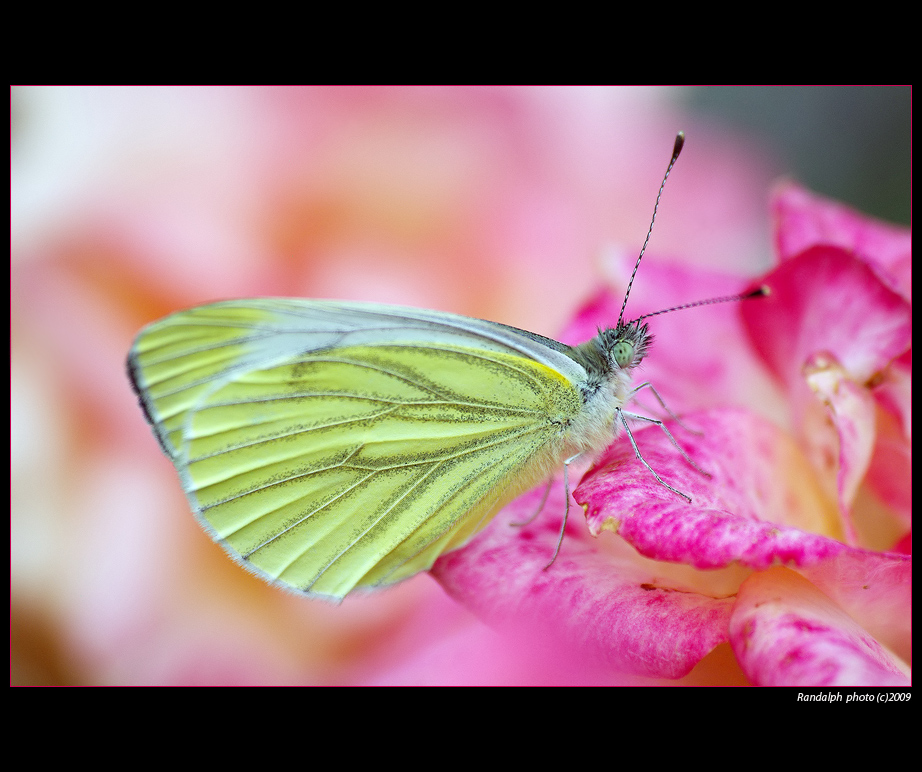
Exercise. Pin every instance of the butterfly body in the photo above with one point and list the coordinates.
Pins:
(331, 445)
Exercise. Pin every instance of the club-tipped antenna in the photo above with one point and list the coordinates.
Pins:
(677, 148)
(759, 292)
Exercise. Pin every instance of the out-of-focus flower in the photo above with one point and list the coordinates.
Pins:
(792, 549)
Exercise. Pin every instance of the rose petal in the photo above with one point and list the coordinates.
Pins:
(852, 408)
(834, 334)
(598, 604)
(874, 589)
(803, 220)
(890, 472)
(785, 632)
(826, 300)
(893, 392)
(760, 505)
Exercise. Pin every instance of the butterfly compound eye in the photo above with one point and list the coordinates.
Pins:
(623, 353)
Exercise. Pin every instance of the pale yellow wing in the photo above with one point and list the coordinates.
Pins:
(329, 446)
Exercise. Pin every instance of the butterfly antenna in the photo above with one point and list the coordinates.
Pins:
(760, 292)
(677, 148)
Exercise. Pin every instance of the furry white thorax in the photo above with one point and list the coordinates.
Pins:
(596, 426)
(606, 387)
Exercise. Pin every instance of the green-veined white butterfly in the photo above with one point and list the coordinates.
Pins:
(333, 445)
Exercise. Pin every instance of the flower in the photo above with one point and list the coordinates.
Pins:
(792, 550)
(128, 204)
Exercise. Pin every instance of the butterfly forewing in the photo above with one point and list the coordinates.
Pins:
(328, 454)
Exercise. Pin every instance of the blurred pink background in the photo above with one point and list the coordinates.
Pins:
(130, 203)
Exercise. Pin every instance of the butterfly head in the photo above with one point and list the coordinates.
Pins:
(610, 356)
(626, 345)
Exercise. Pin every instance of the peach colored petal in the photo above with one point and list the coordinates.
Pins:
(852, 409)
(785, 632)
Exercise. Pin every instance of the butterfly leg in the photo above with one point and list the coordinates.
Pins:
(648, 385)
(662, 426)
(624, 416)
(531, 519)
(566, 511)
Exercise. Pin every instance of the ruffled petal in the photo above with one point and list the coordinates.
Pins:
(804, 219)
(595, 600)
(852, 410)
(760, 504)
(826, 300)
(785, 632)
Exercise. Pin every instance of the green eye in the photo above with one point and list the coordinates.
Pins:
(623, 352)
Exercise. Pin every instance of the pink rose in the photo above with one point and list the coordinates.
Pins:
(792, 550)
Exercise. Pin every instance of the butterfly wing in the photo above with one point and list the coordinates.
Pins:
(329, 446)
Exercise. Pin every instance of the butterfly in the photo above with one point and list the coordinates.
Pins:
(329, 446)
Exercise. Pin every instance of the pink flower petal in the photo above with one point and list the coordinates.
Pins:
(609, 607)
(827, 301)
(890, 472)
(870, 448)
(893, 392)
(837, 337)
(785, 632)
(803, 220)
(874, 589)
(760, 505)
